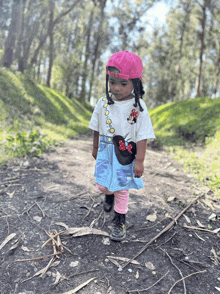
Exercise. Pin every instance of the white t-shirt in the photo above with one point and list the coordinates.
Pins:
(122, 118)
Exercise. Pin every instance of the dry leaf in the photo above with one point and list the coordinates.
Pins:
(200, 224)
(187, 219)
(63, 225)
(44, 270)
(212, 217)
(152, 217)
(217, 288)
(137, 275)
(58, 277)
(76, 232)
(56, 263)
(25, 248)
(171, 198)
(150, 265)
(15, 245)
(7, 240)
(115, 262)
(11, 194)
(124, 259)
(79, 287)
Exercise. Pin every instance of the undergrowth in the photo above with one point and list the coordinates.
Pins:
(27, 143)
(26, 106)
(190, 131)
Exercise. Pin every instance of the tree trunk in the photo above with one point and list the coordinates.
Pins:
(44, 37)
(202, 38)
(19, 52)
(11, 39)
(82, 97)
(98, 40)
(51, 47)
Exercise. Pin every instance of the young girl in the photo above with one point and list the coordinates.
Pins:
(121, 125)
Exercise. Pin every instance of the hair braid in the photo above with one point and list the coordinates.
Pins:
(138, 92)
(110, 101)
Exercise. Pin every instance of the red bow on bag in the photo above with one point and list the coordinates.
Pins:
(134, 113)
(123, 146)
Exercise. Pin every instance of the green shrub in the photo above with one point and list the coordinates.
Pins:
(27, 143)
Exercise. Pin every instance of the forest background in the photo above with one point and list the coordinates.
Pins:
(65, 44)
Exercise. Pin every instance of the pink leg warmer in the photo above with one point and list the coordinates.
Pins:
(121, 198)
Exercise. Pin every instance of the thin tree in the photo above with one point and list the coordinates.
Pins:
(50, 33)
(11, 38)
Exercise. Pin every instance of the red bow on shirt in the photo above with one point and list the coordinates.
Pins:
(123, 146)
(134, 113)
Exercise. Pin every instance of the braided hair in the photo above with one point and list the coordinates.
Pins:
(138, 92)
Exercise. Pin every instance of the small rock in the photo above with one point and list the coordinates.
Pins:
(106, 241)
(74, 263)
(130, 270)
(37, 218)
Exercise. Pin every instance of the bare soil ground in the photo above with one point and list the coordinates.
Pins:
(57, 192)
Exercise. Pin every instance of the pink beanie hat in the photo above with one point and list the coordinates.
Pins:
(129, 64)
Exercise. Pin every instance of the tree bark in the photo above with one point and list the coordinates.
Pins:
(51, 46)
(98, 40)
(44, 37)
(82, 97)
(202, 38)
(11, 38)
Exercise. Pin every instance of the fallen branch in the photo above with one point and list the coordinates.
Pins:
(184, 284)
(71, 198)
(79, 287)
(199, 229)
(137, 290)
(184, 279)
(37, 258)
(168, 227)
(81, 273)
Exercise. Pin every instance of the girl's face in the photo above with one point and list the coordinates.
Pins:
(120, 88)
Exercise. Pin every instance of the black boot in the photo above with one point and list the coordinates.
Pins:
(108, 203)
(118, 232)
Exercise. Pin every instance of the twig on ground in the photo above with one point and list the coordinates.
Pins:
(166, 241)
(37, 258)
(199, 229)
(185, 278)
(81, 273)
(51, 237)
(141, 290)
(184, 284)
(146, 228)
(40, 209)
(169, 226)
(71, 198)
(89, 209)
(96, 219)
(27, 210)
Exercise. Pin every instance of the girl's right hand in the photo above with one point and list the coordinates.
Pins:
(94, 153)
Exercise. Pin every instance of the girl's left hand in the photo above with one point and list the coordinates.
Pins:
(138, 169)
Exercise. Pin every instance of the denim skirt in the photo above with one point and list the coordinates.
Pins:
(110, 173)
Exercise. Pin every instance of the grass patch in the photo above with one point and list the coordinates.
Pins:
(27, 108)
(190, 131)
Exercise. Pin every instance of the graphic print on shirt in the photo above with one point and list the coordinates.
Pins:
(111, 130)
(132, 119)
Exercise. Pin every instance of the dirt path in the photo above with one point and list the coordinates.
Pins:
(38, 193)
